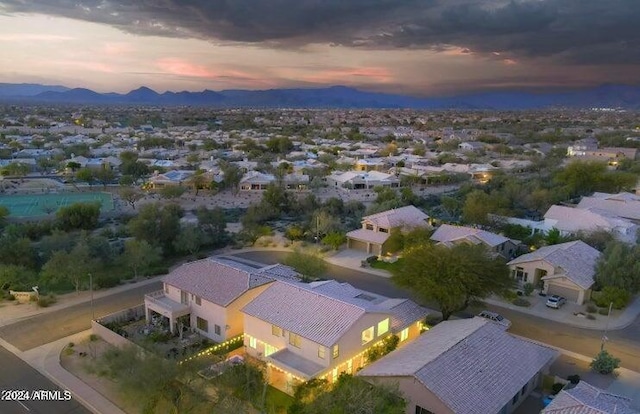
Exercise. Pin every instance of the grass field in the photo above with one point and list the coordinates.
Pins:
(35, 205)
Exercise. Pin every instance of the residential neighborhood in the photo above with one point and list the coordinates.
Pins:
(273, 261)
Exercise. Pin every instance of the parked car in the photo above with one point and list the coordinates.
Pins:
(495, 317)
(556, 301)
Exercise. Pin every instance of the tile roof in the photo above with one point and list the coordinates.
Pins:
(324, 311)
(222, 280)
(584, 398)
(448, 234)
(576, 259)
(407, 216)
(368, 236)
(572, 220)
(625, 205)
(471, 365)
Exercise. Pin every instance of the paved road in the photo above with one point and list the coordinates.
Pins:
(42, 329)
(624, 344)
(18, 375)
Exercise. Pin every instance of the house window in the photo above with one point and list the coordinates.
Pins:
(321, 352)
(420, 410)
(383, 327)
(521, 275)
(295, 340)
(367, 335)
(216, 329)
(383, 230)
(404, 334)
(335, 352)
(252, 342)
(334, 374)
(369, 226)
(349, 366)
(198, 301)
(269, 349)
(277, 331)
(202, 324)
(184, 297)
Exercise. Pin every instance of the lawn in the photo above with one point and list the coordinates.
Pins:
(277, 401)
(389, 267)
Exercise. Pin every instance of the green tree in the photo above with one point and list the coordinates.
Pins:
(16, 169)
(68, 267)
(213, 224)
(232, 175)
(334, 240)
(198, 181)
(14, 277)
(139, 256)
(4, 213)
(619, 266)
(104, 175)
(189, 240)
(395, 242)
(477, 206)
(78, 216)
(452, 277)
(158, 225)
(310, 266)
(131, 196)
(616, 296)
(85, 175)
(605, 363)
(172, 191)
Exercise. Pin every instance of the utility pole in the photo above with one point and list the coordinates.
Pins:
(606, 328)
(93, 315)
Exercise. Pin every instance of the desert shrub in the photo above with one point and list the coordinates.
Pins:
(93, 337)
(592, 308)
(46, 301)
(604, 363)
(611, 294)
(574, 379)
(528, 289)
(521, 302)
(591, 316)
(372, 259)
(603, 311)
(106, 281)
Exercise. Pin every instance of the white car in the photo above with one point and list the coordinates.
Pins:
(495, 317)
(556, 301)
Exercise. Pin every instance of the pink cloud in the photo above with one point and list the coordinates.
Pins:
(176, 66)
(368, 74)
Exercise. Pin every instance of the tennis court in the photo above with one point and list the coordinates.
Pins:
(34, 205)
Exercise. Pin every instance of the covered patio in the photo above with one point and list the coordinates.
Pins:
(287, 369)
(159, 303)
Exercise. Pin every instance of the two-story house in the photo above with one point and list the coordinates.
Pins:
(565, 269)
(207, 295)
(322, 329)
(376, 228)
(449, 235)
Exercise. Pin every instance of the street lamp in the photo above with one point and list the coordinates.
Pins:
(606, 328)
(93, 315)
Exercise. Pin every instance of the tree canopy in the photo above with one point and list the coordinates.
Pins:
(452, 277)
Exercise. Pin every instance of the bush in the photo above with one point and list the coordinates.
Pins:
(106, 281)
(46, 301)
(611, 294)
(93, 337)
(372, 259)
(521, 302)
(591, 317)
(592, 308)
(574, 379)
(603, 311)
(432, 320)
(158, 270)
(528, 289)
(604, 363)
(510, 295)
(556, 388)
(71, 345)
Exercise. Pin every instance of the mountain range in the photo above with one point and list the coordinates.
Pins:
(605, 96)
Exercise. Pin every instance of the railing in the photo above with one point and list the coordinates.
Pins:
(154, 297)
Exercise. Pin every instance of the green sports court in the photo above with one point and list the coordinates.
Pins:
(35, 205)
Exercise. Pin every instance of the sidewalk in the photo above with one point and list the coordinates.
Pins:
(619, 319)
(46, 360)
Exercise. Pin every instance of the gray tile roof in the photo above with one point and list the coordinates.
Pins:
(448, 234)
(624, 205)
(584, 398)
(370, 236)
(324, 311)
(221, 280)
(576, 259)
(472, 365)
(287, 360)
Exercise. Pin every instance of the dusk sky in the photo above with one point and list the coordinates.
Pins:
(418, 47)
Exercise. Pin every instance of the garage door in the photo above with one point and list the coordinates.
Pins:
(357, 245)
(570, 294)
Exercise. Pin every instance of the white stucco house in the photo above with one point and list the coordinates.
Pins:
(565, 269)
(569, 220)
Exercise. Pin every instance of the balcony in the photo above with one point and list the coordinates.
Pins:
(160, 303)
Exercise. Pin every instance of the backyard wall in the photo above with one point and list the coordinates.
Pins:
(111, 337)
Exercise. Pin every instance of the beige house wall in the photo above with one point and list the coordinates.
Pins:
(530, 269)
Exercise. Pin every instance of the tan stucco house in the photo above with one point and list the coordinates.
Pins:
(322, 329)
(565, 269)
(449, 235)
(206, 295)
(377, 228)
(466, 366)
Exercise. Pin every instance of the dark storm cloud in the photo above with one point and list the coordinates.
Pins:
(580, 31)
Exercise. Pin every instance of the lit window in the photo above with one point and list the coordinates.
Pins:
(295, 340)
(202, 324)
(268, 350)
(404, 334)
(383, 327)
(367, 335)
(335, 352)
(276, 331)
(198, 300)
(252, 342)
(349, 366)
(321, 352)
